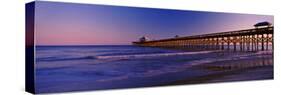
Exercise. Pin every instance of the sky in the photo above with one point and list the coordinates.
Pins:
(87, 24)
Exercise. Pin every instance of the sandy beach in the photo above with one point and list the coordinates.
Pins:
(116, 67)
(230, 71)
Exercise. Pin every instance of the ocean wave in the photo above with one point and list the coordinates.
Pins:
(179, 68)
(119, 57)
(233, 57)
(151, 55)
(50, 59)
(135, 56)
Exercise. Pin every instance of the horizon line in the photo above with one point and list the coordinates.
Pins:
(89, 45)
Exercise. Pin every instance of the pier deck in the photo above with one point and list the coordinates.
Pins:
(255, 39)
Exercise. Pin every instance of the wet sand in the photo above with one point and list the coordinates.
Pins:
(141, 68)
(259, 69)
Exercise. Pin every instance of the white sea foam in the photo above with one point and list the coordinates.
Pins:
(151, 55)
(180, 68)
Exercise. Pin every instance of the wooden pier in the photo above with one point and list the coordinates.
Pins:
(255, 39)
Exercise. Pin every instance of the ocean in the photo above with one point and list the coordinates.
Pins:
(76, 68)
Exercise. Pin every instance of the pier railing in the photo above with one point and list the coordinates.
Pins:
(243, 40)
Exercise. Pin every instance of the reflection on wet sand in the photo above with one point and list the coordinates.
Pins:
(237, 70)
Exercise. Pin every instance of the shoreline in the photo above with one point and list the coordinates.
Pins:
(225, 72)
(215, 78)
(219, 66)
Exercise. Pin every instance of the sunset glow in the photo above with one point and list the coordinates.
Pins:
(78, 24)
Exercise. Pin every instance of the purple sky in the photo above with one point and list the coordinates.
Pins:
(83, 24)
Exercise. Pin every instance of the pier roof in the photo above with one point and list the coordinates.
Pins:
(265, 23)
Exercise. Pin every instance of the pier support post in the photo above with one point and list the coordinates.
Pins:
(258, 41)
(248, 42)
(262, 42)
(252, 42)
(243, 43)
(234, 43)
(228, 42)
(240, 44)
(217, 43)
(267, 41)
(222, 43)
